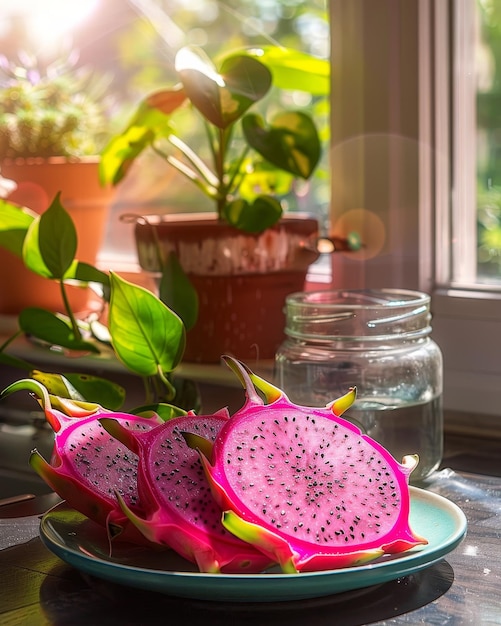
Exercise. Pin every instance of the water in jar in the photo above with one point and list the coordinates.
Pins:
(403, 429)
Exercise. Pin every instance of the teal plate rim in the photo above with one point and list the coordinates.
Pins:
(83, 545)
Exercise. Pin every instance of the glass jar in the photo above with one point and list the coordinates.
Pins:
(379, 342)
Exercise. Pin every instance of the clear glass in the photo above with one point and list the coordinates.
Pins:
(379, 342)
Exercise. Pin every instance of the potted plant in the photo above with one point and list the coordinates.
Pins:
(140, 331)
(248, 254)
(52, 127)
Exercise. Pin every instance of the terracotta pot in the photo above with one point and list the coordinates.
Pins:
(38, 182)
(242, 280)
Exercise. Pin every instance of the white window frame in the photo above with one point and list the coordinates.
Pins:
(467, 316)
(426, 226)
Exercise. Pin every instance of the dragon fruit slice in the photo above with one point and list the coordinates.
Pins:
(87, 465)
(179, 510)
(304, 485)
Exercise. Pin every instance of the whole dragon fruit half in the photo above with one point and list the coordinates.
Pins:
(87, 465)
(304, 485)
(178, 508)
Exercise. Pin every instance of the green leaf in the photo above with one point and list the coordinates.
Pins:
(167, 101)
(150, 122)
(162, 409)
(146, 335)
(88, 274)
(83, 387)
(263, 178)
(294, 70)
(177, 292)
(57, 238)
(291, 142)
(50, 328)
(222, 98)
(253, 217)
(32, 256)
(51, 242)
(14, 224)
(121, 152)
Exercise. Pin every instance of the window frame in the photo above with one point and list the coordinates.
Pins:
(413, 67)
(467, 315)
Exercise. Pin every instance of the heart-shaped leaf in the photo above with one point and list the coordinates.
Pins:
(295, 70)
(146, 335)
(57, 238)
(150, 121)
(291, 142)
(51, 242)
(166, 101)
(162, 409)
(89, 274)
(222, 98)
(100, 390)
(50, 328)
(82, 387)
(14, 224)
(263, 178)
(253, 217)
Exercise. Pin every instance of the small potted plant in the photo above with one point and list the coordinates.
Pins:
(248, 254)
(142, 333)
(53, 125)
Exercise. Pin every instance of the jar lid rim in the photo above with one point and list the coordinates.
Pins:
(359, 298)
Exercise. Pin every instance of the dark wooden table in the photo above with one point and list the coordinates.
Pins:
(465, 588)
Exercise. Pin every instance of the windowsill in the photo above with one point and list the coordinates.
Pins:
(467, 327)
(106, 362)
(472, 425)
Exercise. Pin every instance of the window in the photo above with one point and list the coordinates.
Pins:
(481, 85)
(467, 301)
(130, 47)
(404, 152)
(409, 139)
(216, 26)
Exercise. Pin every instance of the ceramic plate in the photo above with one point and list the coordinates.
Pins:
(83, 544)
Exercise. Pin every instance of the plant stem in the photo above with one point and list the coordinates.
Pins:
(237, 175)
(9, 340)
(148, 394)
(194, 159)
(171, 390)
(205, 186)
(219, 161)
(69, 312)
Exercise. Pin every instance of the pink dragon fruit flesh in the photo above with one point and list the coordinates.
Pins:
(87, 465)
(304, 485)
(179, 510)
